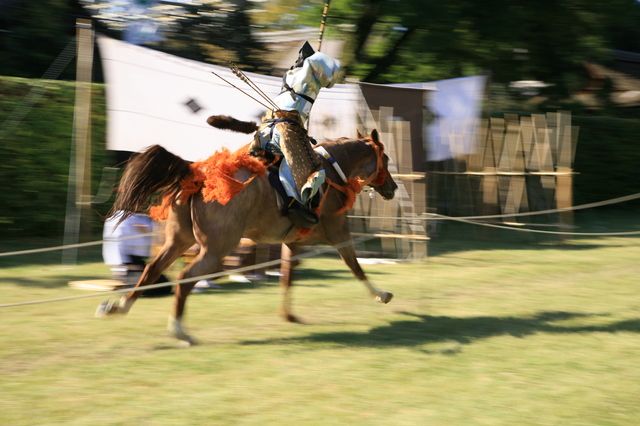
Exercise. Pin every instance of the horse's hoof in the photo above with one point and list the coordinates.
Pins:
(292, 318)
(187, 341)
(384, 297)
(183, 337)
(111, 307)
(106, 308)
(175, 330)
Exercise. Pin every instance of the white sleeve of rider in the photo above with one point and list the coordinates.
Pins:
(325, 68)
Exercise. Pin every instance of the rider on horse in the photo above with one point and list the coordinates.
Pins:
(282, 133)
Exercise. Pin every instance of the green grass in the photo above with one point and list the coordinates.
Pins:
(516, 335)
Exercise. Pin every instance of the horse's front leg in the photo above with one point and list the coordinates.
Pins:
(348, 254)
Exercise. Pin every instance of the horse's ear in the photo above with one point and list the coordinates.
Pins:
(360, 135)
(374, 136)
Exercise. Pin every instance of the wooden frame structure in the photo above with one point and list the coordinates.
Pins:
(522, 164)
(398, 224)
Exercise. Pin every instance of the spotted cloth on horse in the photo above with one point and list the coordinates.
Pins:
(283, 133)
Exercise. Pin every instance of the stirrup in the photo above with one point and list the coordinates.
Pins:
(301, 216)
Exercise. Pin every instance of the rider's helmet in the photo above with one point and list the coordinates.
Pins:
(305, 51)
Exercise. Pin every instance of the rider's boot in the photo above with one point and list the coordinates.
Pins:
(300, 215)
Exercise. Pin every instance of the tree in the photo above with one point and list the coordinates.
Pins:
(216, 36)
(549, 40)
(34, 33)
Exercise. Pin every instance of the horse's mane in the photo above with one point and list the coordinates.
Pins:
(349, 150)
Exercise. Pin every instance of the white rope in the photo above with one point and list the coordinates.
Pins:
(70, 246)
(185, 280)
(539, 231)
(424, 216)
(435, 216)
(565, 209)
(418, 217)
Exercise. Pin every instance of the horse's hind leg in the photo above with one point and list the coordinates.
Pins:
(204, 263)
(286, 281)
(208, 261)
(348, 254)
(178, 239)
(167, 255)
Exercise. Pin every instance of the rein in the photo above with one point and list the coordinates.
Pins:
(353, 186)
(378, 177)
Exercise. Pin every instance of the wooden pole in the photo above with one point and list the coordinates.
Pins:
(564, 197)
(78, 210)
(323, 23)
(564, 182)
(83, 113)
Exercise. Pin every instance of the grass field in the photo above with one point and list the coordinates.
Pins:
(519, 334)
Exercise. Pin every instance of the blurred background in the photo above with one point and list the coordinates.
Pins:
(579, 57)
(491, 109)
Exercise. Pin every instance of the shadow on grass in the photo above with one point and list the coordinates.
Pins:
(425, 329)
(52, 281)
(454, 236)
(90, 254)
(447, 243)
(303, 276)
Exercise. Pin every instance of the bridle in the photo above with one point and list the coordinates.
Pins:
(379, 176)
(353, 186)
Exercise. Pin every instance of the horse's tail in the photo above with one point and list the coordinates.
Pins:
(226, 122)
(154, 171)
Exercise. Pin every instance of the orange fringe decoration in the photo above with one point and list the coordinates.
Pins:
(160, 211)
(214, 177)
(352, 188)
(303, 233)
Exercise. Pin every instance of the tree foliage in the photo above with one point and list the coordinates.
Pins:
(215, 35)
(33, 33)
(386, 40)
(549, 40)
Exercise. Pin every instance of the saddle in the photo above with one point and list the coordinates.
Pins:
(300, 215)
(295, 146)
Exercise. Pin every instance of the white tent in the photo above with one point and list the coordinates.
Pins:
(157, 98)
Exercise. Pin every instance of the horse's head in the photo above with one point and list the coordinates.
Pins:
(380, 179)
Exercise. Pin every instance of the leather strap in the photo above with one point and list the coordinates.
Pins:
(290, 89)
(327, 156)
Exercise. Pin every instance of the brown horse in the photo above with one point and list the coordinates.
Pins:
(253, 213)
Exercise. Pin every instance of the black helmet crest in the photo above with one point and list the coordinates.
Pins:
(305, 51)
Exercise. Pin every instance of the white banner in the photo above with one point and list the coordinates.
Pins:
(157, 98)
(456, 105)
